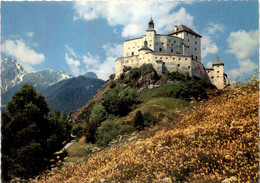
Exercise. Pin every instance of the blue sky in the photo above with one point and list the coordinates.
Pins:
(78, 37)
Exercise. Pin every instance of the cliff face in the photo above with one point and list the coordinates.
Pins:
(141, 79)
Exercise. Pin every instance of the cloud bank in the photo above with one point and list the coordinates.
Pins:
(80, 64)
(243, 45)
(133, 17)
(23, 53)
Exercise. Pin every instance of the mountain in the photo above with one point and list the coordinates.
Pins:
(91, 75)
(11, 74)
(60, 89)
(71, 94)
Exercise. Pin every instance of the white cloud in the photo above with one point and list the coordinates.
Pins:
(29, 34)
(209, 64)
(243, 44)
(80, 64)
(23, 53)
(73, 65)
(208, 46)
(134, 17)
(213, 28)
(245, 67)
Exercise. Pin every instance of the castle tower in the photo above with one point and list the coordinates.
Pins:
(150, 35)
(218, 73)
(191, 40)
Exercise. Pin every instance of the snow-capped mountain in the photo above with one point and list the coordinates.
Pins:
(61, 90)
(12, 74)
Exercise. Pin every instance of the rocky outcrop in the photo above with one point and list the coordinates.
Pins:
(141, 79)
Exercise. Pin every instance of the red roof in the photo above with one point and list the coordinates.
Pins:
(182, 28)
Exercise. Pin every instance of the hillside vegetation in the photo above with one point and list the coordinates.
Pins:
(215, 141)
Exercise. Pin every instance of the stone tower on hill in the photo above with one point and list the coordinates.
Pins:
(180, 50)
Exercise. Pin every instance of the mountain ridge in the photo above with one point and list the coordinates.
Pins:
(50, 83)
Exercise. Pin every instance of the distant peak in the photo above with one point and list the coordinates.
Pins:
(91, 75)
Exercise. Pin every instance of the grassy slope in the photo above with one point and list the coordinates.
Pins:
(217, 140)
(154, 101)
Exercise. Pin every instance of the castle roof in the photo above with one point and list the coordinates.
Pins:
(218, 61)
(182, 28)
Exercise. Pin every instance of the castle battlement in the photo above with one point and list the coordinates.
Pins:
(180, 50)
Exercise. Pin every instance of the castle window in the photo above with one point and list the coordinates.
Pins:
(212, 77)
(195, 42)
(150, 45)
(217, 71)
(208, 71)
(185, 58)
(171, 50)
(160, 49)
(179, 58)
(160, 57)
(178, 65)
(162, 43)
(156, 43)
(166, 57)
(169, 40)
(172, 44)
(188, 40)
(186, 33)
(174, 41)
(155, 57)
(195, 48)
(173, 58)
(217, 76)
(188, 67)
(133, 47)
(218, 66)
(196, 37)
(132, 53)
(196, 58)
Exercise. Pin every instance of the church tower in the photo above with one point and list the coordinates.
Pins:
(150, 35)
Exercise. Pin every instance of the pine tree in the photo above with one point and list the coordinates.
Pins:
(27, 133)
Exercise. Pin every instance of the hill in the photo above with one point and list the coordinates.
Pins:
(210, 141)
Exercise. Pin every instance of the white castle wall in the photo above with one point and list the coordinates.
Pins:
(168, 53)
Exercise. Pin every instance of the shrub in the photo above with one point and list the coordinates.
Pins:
(107, 132)
(77, 131)
(194, 88)
(139, 121)
(149, 119)
(98, 113)
(90, 131)
(177, 75)
(120, 103)
(112, 84)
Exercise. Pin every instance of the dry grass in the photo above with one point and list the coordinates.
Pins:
(218, 140)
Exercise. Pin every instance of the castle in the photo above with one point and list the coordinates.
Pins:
(179, 50)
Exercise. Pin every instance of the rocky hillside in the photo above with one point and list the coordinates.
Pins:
(141, 79)
(216, 140)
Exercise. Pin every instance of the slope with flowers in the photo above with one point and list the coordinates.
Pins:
(215, 142)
